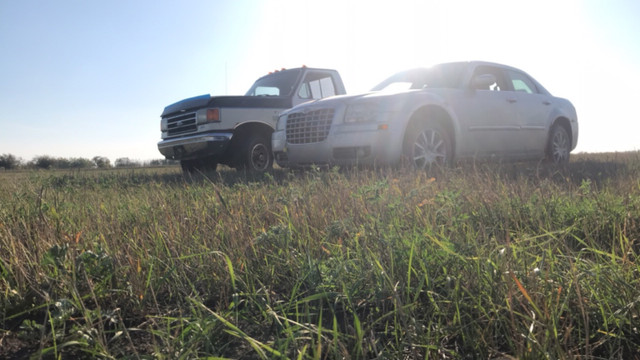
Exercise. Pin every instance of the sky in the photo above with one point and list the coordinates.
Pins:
(85, 78)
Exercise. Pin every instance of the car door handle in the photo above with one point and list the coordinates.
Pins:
(546, 102)
(512, 100)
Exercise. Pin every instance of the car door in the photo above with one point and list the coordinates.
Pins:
(533, 110)
(487, 115)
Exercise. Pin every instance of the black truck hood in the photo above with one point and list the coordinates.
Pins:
(197, 102)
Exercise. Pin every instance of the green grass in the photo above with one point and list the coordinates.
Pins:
(477, 261)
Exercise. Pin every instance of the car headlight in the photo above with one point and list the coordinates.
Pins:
(361, 112)
(281, 124)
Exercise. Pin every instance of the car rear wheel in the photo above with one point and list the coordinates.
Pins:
(428, 146)
(256, 154)
(559, 145)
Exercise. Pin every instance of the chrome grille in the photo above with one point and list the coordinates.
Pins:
(181, 123)
(309, 127)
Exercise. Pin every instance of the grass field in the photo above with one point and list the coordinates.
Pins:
(479, 261)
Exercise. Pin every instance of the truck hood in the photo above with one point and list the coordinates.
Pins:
(197, 102)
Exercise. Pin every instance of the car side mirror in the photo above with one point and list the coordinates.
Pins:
(483, 81)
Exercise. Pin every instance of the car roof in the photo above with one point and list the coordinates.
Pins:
(480, 63)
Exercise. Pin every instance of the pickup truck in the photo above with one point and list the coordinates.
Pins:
(204, 131)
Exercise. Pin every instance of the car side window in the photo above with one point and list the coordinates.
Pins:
(317, 85)
(522, 83)
(500, 85)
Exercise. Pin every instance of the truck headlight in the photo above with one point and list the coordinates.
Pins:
(164, 126)
(361, 112)
(281, 124)
(204, 116)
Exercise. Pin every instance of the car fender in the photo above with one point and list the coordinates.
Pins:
(429, 101)
(565, 110)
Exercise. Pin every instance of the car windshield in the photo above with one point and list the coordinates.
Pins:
(439, 76)
(279, 83)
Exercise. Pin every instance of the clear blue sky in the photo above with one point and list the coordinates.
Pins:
(81, 78)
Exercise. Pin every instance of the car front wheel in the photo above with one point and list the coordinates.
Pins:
(559, 145)
(428, 146)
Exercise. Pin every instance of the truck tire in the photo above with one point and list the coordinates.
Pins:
(255, 153)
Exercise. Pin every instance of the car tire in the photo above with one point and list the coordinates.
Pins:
(428, 146)
(256, 154)
(559, 145)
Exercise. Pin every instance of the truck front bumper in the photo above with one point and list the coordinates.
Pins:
(195, 146)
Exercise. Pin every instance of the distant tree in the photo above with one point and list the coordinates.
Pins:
(8, 161)
(81, 163)
(61, 163)
(126, 162)
(101, 162)
(162, 162)
(43, 162)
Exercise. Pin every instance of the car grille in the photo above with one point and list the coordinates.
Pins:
(181, 123)
(309, 127)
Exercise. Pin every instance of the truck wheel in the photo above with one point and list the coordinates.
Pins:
(255, 154)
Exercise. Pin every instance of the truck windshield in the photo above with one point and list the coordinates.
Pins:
(279, 83)
(439, 76)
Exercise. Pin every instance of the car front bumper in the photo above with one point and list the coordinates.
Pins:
(195, 146)
(364, 144)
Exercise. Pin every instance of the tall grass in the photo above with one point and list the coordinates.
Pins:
(477, 261)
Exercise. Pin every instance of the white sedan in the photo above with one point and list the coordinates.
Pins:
(431, 116)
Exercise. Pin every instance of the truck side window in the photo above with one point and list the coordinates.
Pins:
(304, 91)
(317, 86)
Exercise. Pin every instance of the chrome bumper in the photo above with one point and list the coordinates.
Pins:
(344, 146)
(195, 146)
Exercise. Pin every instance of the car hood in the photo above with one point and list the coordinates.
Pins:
(207, 100)
(335, 100)
(343, 100)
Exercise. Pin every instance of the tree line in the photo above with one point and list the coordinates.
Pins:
(11, 162)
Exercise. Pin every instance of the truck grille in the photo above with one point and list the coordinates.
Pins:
(181, 123)
(309, 127)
